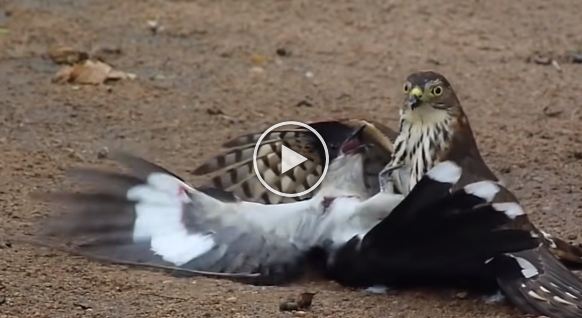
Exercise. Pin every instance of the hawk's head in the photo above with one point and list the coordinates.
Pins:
(429, 98)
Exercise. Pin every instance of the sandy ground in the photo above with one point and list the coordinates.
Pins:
(220, 68)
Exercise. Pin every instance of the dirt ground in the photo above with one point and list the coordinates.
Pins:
(215, 69)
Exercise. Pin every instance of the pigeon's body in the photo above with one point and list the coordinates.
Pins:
(152, 217)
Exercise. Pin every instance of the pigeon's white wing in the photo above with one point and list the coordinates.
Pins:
(152, 217)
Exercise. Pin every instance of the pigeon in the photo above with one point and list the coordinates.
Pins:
(150, 217)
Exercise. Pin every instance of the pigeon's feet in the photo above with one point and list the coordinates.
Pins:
(497, 298)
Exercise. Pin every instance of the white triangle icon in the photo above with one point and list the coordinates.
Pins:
(290, 159)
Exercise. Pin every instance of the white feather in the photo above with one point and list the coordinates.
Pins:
(495, 299)
(159, 220)
(486, 190)
(377, 289)
(180, 247)
(511, 209)
(445, 172)
(527, 268)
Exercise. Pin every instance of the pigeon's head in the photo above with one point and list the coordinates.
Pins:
(350, 155)
(346, 171)
(354, 145)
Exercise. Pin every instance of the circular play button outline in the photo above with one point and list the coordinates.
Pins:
(256, 150)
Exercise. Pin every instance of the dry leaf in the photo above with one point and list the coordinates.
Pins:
(304, 300)
(66, 55)
(259, 59)
(90, 72)
(301, 301)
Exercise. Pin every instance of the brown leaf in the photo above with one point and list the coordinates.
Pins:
(66, 55)
(90, 72)
(304, 300)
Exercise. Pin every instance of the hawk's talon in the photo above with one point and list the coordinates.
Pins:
(385, 177)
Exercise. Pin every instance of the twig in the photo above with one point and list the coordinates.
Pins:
(164, 296)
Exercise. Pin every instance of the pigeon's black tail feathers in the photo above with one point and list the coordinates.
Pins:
(537, 283)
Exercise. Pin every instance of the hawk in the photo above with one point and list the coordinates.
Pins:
(435, 129)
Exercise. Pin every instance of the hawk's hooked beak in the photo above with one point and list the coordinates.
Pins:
(414, 97)
(354, 143)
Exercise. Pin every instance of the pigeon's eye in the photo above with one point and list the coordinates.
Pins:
(437, 91)
(406, 88)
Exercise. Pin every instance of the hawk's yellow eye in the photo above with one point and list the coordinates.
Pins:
(407, 86)
(437, 91)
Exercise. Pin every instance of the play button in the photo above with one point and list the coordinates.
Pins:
(289, 159)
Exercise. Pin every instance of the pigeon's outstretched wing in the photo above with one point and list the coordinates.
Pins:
(151, 217)
(233, 169)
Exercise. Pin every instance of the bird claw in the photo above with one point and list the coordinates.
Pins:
(385, 177)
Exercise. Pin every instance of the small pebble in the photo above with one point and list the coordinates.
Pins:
(462, 295)
(282, 52)
(103, 153)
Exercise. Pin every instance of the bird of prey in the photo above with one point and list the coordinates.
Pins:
(151, 217)
(233, 168)
(435, 129)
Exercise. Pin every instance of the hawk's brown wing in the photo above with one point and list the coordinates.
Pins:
(233, 170)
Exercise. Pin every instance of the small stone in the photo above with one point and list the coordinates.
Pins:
(257, 70)
(214, 111)
(576, 58)
(283, 52)
(299, 313)
(82, 305)
(462, 295)
(288, 306)
(231, 299)
(103, 153)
